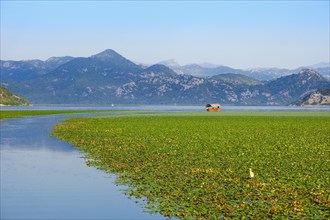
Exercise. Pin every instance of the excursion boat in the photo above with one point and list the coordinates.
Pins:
(213, 107)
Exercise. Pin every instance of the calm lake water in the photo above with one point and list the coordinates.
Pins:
(167, 108)
(45, 178)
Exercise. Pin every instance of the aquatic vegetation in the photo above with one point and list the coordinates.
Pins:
(198, 166)
(25, 113)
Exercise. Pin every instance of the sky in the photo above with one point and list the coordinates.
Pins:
(239, 34)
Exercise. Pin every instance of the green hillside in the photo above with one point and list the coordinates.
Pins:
(9, 98)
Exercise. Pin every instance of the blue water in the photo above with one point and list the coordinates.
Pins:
(166, 108)
(45, 178)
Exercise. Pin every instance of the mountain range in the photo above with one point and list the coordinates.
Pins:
(108, 77)
(262, 74)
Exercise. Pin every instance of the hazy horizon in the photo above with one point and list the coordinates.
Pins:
(239, 34)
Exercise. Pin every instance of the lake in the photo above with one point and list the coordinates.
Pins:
(166, 108)
(45, 178)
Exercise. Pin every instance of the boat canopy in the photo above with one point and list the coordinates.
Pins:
(213, 107)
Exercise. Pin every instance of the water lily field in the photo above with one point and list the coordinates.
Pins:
(26, 113)
(196, 165)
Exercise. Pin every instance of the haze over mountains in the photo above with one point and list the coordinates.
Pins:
(108, 77)
(263, 74)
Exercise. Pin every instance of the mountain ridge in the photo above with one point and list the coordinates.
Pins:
(200, 70)
(108, 77)
(318, 97)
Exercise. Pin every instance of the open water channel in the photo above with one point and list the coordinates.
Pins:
(45, 178)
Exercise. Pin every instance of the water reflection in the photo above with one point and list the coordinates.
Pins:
(31, 134)
(45, 178)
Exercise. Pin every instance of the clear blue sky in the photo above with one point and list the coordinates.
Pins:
(239, 34)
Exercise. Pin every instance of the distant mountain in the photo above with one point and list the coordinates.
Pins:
(266, 74)
(9, 98)
(29, 69)
(83, 80)
(318, 65)
(261, 74)
(319, 97)
(295, 86)
(192, 69)
(208, 65)
(323, 68)
(54, 62)
(200, 71)
(236, 79)
(172, 63)
(108, 77)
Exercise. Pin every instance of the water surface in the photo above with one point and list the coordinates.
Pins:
(45, 178)
(167, 108)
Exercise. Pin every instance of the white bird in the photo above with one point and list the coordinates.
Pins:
(251, 173)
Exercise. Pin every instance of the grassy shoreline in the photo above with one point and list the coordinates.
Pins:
(196, 165)
(25, 113)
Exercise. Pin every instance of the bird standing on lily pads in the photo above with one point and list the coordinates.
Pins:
(251, 173)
